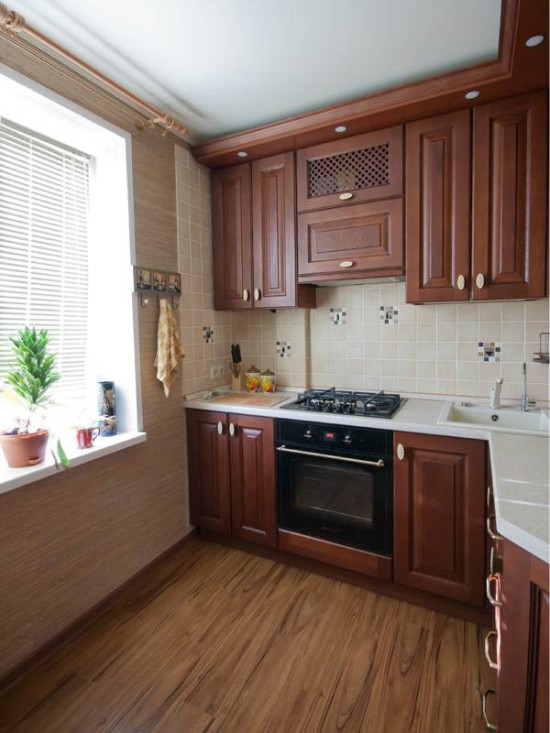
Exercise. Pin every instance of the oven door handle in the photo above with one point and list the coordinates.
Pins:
(330, 457)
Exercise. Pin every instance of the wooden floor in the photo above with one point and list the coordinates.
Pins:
(215, 639)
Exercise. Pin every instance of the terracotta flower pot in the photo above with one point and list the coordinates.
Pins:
(24, 450)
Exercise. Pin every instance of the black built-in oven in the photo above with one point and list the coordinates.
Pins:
(336, 482)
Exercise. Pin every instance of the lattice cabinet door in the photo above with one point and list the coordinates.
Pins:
(353, 170)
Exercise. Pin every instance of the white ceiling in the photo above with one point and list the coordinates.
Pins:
(225, 65)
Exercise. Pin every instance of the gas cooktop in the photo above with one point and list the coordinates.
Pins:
(343, 402)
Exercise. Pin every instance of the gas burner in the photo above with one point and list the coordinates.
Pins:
(343, 402)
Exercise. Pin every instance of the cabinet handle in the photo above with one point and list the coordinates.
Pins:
(400, 451)
(246, 294)
(231, 429)
(480, 281)
(492, 534)
(461, 282)
(345, 196)
(495, 562)
(257, 293)
(347, 263)
(493, 600)
(220, 427)
(484, 696)
(489, 496)
(493, 665)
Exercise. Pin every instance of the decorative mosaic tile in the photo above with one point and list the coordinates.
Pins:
(208, 334)
(389, 314)
(283, 349)
(488, 351)
(338, 316)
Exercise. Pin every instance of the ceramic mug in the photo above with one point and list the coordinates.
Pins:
(85, 436)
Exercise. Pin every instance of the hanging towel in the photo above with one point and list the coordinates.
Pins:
(169, 349)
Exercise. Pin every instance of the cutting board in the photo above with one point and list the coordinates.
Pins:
(250, 400)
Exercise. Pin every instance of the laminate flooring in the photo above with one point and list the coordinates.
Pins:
(215, 639)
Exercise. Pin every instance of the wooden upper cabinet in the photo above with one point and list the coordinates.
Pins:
(253, 488)
(232, 237)
(350, 242)
(209, 480)
(254, 220)
(274, 234)
(438, 190)
(510, 198)
(439, 510)
(352, 170)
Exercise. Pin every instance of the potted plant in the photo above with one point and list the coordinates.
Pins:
(30, 379)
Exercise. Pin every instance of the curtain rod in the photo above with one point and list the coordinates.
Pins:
(13, 23)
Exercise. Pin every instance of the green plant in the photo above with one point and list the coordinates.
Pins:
(32, 376)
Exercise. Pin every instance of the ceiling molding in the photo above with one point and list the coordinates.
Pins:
(517, 69)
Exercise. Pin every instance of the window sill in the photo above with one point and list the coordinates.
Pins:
(13, 478)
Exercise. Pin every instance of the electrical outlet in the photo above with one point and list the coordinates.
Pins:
(212, 372)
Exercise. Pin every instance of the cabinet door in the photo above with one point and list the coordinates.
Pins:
(439, 502)
(274, 231)
(510, 198)
(340, 244)
(232, 237)
(253, 479)
(438, 208)
(523, 674)
(351, 170)
(209, 485)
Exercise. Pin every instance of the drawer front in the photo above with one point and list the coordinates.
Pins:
(352, 241)
(365, 167)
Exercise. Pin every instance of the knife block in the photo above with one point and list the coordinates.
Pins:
(237, 383)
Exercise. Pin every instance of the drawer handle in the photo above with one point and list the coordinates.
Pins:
(220, 427)
(246, 294)
(347, 263)
(461, 282)
(484, 696)
(480, 281)
(492, 534)
(493, 600)
(345, 196)
(257, 294)
(488, 636)
(400, 451)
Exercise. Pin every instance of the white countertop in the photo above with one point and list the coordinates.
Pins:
(519, 462)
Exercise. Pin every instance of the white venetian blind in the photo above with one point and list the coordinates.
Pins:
(44, 189)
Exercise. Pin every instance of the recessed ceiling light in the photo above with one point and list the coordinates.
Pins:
(340, 128)
(242, 154)
(534, 41)
(473, 94)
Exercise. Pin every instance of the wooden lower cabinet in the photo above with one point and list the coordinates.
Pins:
(522, 687)
(439, 514)
(232, 475)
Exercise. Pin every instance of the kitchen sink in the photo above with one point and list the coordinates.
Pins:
(506, 419)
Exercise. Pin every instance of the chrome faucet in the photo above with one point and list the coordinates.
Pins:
(525, 396)
(494, 397)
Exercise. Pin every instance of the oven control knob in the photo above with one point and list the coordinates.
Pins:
(347, 439)
(308, 435)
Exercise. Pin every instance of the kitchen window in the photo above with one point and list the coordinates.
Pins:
(44, 232)
(67, 249)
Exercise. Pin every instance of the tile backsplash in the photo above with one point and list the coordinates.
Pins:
(360, 336)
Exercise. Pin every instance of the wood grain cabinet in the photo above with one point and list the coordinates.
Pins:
(350, 221)
(439, 511)
(477, 203)
(232, 475)
(254, 236)
(521, 652)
